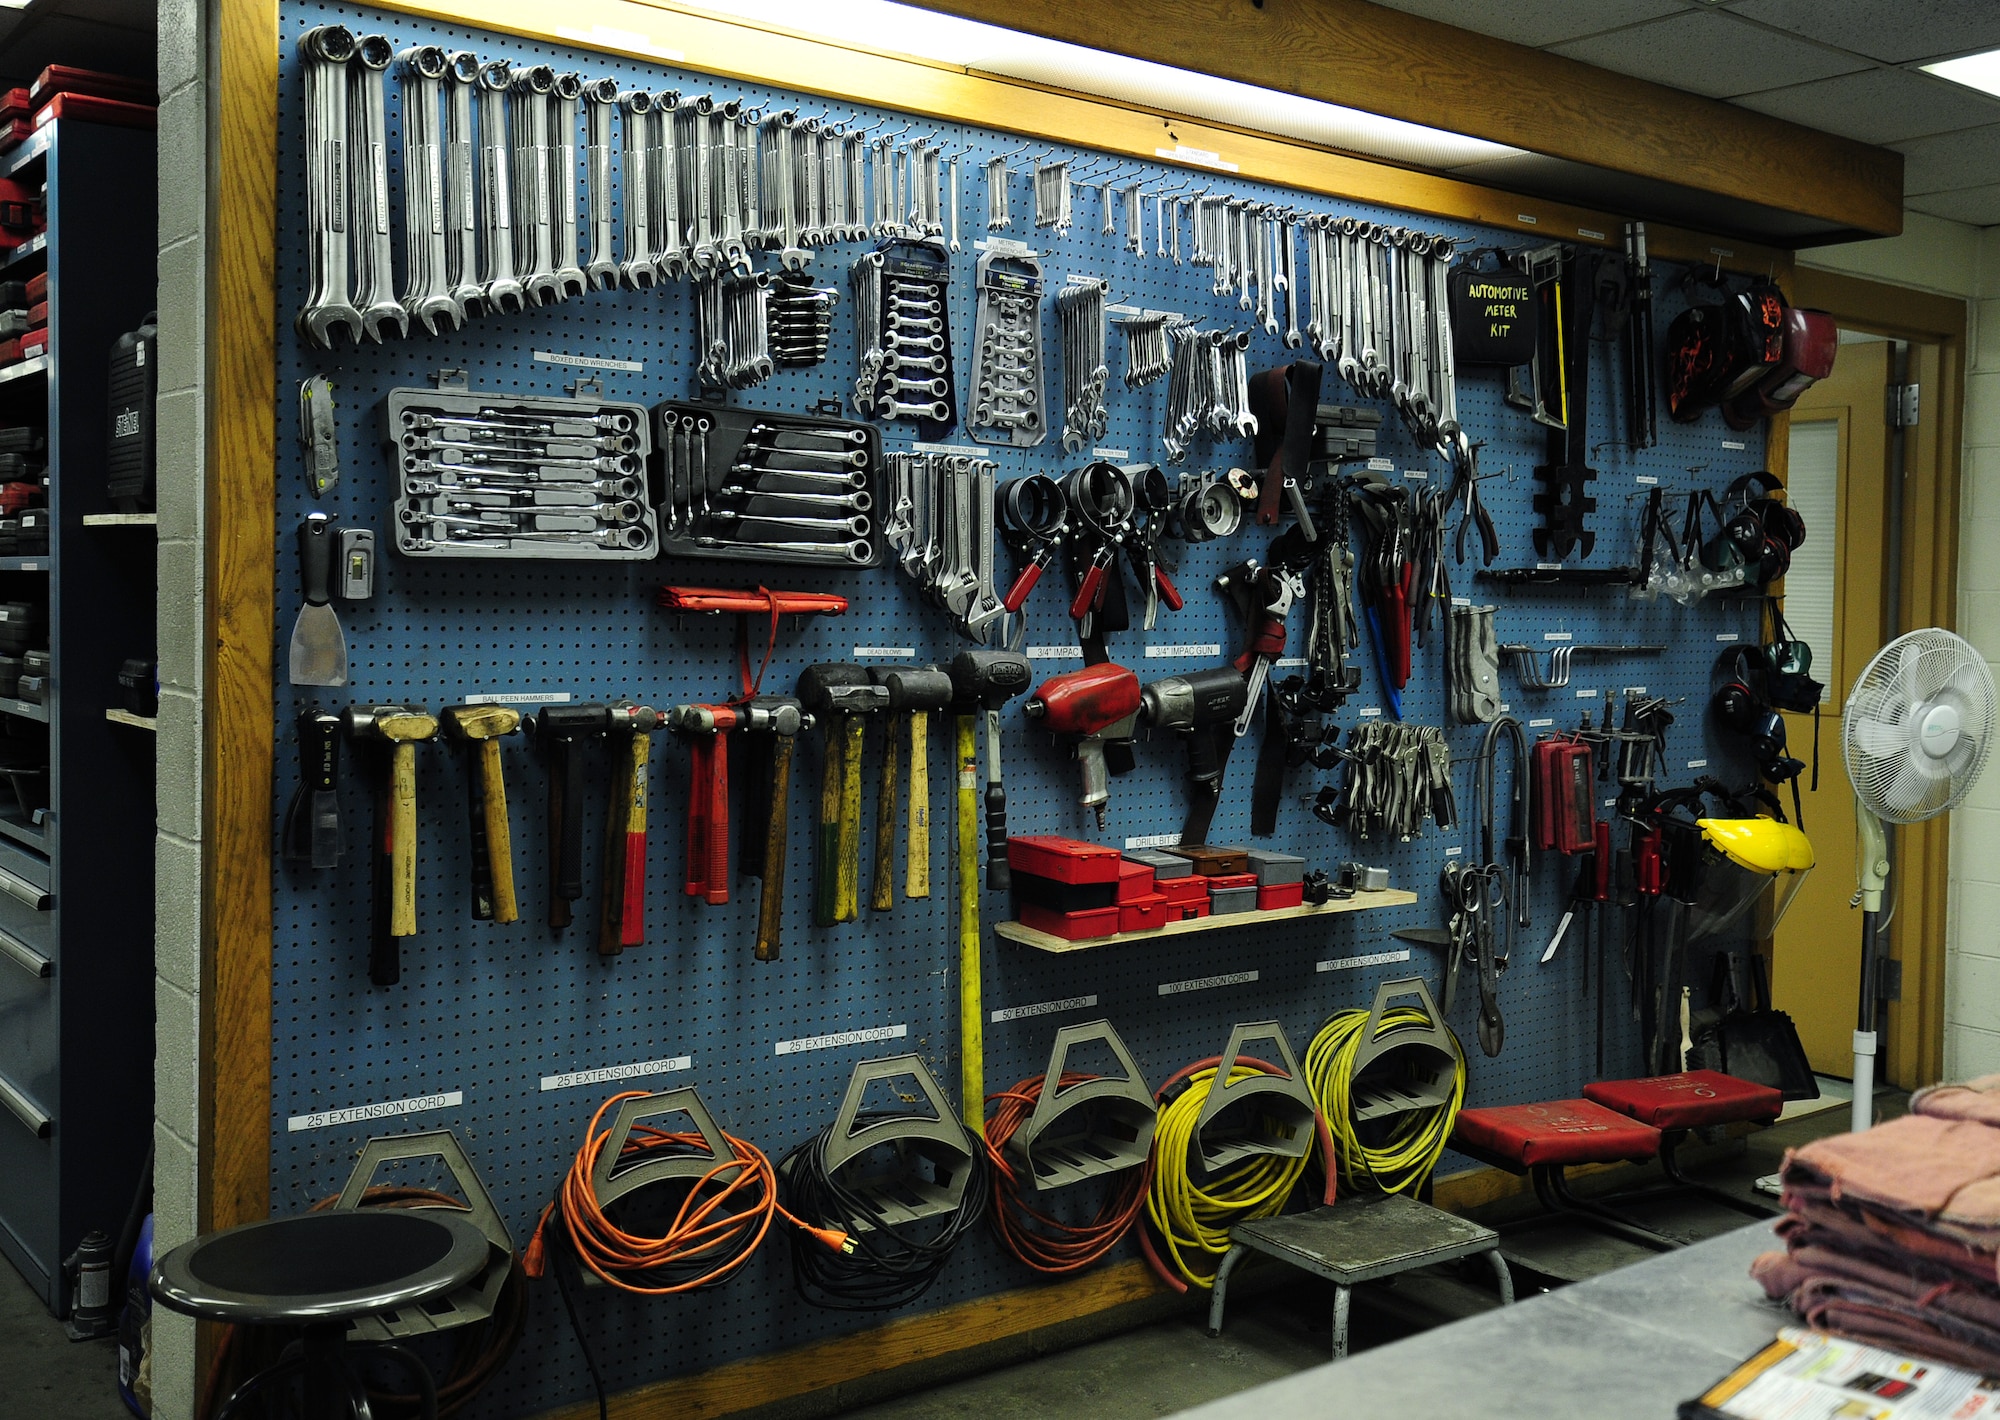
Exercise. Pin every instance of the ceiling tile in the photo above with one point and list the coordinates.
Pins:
(1879, 105)
(1970, 158)
(1709, 53)
(1537, 22)
(1978, 206)
(1892, 30)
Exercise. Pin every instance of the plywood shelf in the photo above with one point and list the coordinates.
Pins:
(1360, 902)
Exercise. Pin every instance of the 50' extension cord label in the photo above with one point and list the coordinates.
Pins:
(1044, 1008)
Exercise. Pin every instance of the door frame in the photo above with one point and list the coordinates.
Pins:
(1935, 326)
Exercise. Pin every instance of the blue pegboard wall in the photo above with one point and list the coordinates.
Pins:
(483, 1013)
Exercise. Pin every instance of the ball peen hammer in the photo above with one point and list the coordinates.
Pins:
(706, 729)
(480, 728)
(776, 721)
(913, 695)
(621, 921)
(985, 681)
(837, 695)
(399, 727)
(556, 730)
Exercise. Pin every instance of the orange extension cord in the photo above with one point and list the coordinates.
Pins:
(720, 1223)
(1043, 1243)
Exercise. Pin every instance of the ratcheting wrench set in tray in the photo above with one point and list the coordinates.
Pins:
(751, 483)
(485, 476)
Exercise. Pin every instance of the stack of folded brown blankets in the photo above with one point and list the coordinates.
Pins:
(1891, 1235)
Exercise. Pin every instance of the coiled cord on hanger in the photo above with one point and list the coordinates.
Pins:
(886, 1264)
(1398, 1155)
(1042, 1242)
(478, 1350)
(1190, 1220)
(720, 1222)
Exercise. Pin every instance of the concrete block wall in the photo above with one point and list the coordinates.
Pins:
(184, 149)
(1953, 259)
(1972, 973)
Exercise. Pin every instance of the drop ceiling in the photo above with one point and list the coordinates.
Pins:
(1848, 67)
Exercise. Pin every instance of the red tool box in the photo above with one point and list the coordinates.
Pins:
(1276, 895)
(1071, 926)
(1067, 860)
(1146, 913)
(60, 79)
(1135, 881)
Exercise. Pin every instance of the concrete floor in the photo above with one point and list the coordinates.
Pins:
(43, 1372)
(1172, 1365)
(1156, 1369)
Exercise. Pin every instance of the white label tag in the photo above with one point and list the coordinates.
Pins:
(1200, 157)
(1367, 959)
(590, 362)
(1726, 636)
(1734, 444)
(885, 653)
(1003, 246)
(1154, 840)
(1381, 465)
(1369, 712)
(637, 1070)
(1416, 474)
(1539, 724)
(1111, 455)
(1697, 764)
(1548, 566)
(1053, 653)
(1043, 1008)
(1284, 661)
(1586, 695)
(969, 450)
(1205, 983)
(1558, 636)
(839, 1038)
(1645, 478)
(1453, 852)
(1461, 601)
(387, 1109)
(1184, 652)
(1524, 217)
(1589, 235)
(520, 697)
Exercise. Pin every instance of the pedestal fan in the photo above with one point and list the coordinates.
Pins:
(1917, 730)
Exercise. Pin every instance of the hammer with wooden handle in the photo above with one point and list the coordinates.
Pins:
(622, 921)
(480, 729)
(400, 727)
(774, 722)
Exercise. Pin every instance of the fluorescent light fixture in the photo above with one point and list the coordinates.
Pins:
(15, 4)
(1975, 71)
(886, 27)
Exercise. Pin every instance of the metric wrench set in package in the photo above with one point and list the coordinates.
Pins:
(1007, 355)
(753, 486)
(483, 475)
(903, 336)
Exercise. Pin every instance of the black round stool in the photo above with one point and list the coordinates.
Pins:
(318, 1271)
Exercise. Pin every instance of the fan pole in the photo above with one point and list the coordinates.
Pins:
(1874, 854)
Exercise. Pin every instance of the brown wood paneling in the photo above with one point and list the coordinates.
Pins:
(1383, 61)
(241, 379)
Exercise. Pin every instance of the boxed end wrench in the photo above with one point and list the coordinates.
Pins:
(750, 485)
(485, 475)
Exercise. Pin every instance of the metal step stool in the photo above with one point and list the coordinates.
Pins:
(1362, 1238)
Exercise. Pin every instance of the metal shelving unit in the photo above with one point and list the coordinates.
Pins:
(76, 1065)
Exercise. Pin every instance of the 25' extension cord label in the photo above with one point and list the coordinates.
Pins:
(633, 1071)
(356, 1114)
(846, 1037)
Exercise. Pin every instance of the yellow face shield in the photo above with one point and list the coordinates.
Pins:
(1763, 845)
(1747, 862)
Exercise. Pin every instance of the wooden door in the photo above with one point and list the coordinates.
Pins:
(1838, 464)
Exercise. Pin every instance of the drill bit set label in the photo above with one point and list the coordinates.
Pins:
(482, 476)
(754, 486)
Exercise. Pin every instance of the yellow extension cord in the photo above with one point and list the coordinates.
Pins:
(1193, 1220)
(1400, 1162)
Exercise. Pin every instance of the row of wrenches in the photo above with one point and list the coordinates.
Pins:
(492, 207)
(940, 527)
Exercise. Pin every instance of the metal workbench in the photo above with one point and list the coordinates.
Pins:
(1635, 1342)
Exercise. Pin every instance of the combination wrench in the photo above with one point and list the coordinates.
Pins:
(368, 159)
(425, 298)
(461, 232)
(325, 52)
(504, 292)
(600, 98)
